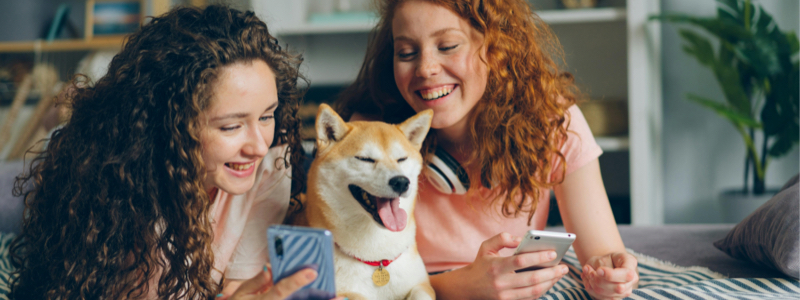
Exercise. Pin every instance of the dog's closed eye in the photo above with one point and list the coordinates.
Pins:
(365, 159)
(402, 159)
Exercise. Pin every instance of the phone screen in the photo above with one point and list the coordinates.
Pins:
(293, 248)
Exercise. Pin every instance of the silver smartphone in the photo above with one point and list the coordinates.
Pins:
(292, 248)
(538, 240)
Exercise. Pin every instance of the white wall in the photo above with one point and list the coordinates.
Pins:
(703, 153)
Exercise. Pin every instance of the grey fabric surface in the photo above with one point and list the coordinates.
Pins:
(689, 245)
(770, 236)
(11, 207)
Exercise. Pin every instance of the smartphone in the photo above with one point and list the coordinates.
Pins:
(293, 248)
(538, 240)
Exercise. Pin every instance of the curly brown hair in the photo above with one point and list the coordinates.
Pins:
(518, 125)
(117, 197)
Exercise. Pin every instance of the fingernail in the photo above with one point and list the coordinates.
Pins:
(311, 275)
(220, 295)
(346, 298)
(518, 239)
(564, 270)
(265, 268)
(601, 272)
(552, 254)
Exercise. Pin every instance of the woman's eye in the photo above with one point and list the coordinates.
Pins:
(266, 118)
(448, 48)
(230, 128)
(406, 55)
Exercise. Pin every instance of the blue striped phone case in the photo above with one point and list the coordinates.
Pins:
(293, 248)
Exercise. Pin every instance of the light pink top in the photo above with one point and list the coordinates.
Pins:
(240, 222)
(451, 228)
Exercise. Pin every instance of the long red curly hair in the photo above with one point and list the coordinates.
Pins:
(518, 126)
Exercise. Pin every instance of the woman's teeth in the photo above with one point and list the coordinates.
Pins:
(239, 167)
(436, 93)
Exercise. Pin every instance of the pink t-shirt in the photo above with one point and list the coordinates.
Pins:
(451, 228)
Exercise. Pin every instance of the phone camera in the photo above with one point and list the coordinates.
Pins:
(536, 238)
(279, 246)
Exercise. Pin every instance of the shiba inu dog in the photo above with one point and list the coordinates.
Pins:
(362, 186)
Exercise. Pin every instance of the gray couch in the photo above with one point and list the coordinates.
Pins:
(11, 207)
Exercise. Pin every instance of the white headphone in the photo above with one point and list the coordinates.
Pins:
(446, 174)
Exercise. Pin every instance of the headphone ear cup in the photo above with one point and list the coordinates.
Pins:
(446, 174)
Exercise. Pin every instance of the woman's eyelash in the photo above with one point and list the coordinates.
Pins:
(406, 55)
(265, 118)
(229, 128)
(448, 48)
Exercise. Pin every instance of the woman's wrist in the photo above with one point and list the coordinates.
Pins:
(448, 285)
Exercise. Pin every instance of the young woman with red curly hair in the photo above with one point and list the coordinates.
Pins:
(506, 113)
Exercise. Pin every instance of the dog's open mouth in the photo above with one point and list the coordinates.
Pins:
(385, 211)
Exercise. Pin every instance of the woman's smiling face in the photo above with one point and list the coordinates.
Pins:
(239, 125)
(437, 62)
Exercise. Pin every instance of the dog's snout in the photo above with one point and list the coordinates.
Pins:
(399, 184)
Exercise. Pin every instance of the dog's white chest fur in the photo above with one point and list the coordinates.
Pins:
(405, 273)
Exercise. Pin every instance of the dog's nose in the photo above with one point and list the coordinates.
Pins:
(399, 184)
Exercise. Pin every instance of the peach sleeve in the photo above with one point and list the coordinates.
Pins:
(580, 147)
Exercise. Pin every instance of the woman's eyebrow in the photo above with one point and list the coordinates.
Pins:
(435, 33)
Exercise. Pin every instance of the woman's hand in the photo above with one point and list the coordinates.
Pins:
(492, 276)
(260, 287)
(612, 276)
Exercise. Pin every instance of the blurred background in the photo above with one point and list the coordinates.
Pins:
(666, 159)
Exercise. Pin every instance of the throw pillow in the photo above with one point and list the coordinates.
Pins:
(770, 236)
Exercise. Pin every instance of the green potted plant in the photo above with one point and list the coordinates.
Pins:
(756, 65)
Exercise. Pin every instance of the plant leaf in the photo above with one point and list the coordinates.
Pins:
(732, 115)
(794, 44)
(785, 142)
(699, 47)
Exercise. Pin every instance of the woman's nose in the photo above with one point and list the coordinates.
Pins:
(257, 144)
(428, 65)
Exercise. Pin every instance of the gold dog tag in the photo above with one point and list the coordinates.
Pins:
(380, 277)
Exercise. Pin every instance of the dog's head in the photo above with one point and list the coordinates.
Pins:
(366, 172)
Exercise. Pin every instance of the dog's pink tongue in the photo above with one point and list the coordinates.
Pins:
(393, 217)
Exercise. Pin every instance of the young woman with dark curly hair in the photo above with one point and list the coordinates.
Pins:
(171, 167)
(506, 113)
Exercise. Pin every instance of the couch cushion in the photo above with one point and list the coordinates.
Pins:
(11, 207)
(770, 236)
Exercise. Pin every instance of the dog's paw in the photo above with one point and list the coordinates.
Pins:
(423, 291)
(352, 296)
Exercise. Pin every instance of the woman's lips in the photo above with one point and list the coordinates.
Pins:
(241, 169)
(436, 92)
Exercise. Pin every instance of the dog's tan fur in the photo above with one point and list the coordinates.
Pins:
(341, 162)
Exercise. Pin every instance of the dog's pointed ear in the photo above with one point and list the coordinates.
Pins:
(329, 125)
(416, 128)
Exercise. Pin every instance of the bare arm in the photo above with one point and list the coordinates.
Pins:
(609, 271)
(586, 212)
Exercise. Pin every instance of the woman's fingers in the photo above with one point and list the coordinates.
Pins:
(619, 275)
(531, 291)
(290, 284)
(497, 243)
(531, 278)
(253, 285)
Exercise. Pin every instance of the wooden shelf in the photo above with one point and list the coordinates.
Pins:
(61, 45)
(562, 16)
